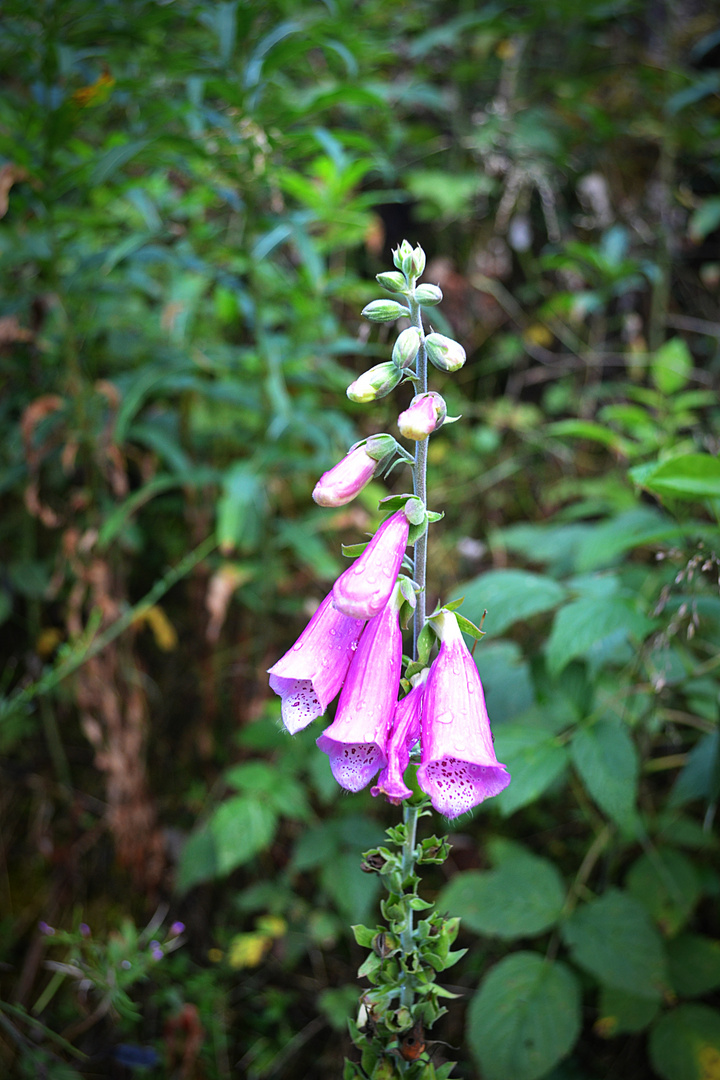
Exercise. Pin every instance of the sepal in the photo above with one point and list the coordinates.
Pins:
(392, 281)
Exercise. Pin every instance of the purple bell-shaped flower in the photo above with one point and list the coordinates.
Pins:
(459, 768)
(355, 741)
(403, 736)
(310, 674)
(364, 589)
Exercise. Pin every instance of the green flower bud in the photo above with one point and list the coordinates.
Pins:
(418, 260)
(406, 347)
(392, 281)
(428, 295)
(379, 446)
(444, 353)
(375, 383)
(384, 310)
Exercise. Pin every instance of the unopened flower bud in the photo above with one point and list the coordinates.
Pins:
(345, 480)
(375, 383)
(418, 260)
(444, 353)
(428, 295)
(392, 281)
(406, 347)
(384, 310)
(425, 414)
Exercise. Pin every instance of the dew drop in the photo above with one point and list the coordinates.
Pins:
(445, 718)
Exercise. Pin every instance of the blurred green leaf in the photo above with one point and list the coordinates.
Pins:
(535, 760)
(524, 1018)
(509, 596)
(694, 964)
(666, 883)
(671, 366)
(685, 1043)
(522, 896)
(606, 759)
(612, 938)
(620, 1012)
(582, 627)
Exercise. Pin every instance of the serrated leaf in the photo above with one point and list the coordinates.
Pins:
(534, 759)
(583, 626)
(522, 896)
(668, 885)
(524, 1019)
(606, 759)
(613, 938)
(685, 1044)
(510, 596)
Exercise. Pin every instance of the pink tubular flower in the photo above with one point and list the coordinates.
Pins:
(364, 589)
(459, 768)
(345, 480)
(310, 674)
(405, 733)
(355, 741)
(425, 414)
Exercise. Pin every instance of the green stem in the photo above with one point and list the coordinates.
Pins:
(410, 812)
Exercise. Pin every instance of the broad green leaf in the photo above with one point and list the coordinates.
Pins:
(241, 508)
(581, 627)
(198, 860)
(700, 776)
(353, 891)
(689, 476)
(694, 964)
(671, 366)
(534, 759)
(525, 1018)
(521, 897)
(506, 679)
(613, 938)
(555, 545)
(606, 759)
(509, 596)
(667, 884)
(241, 827)
(620, 1012)
(114, 159)
(685, 1044)
(612, 538)
(591, 430)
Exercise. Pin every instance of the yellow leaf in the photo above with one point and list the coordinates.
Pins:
(247, 950)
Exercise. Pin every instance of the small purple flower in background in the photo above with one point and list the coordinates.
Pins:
(176, 928)
(157, 953)
(364, 589)
(355, 741)
(403, 736)
(345, 480)
(425, 414)
(45, 929)
(84, 930)
(459, 768)
(310, 674)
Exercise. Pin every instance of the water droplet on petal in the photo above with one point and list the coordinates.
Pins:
(445, 718)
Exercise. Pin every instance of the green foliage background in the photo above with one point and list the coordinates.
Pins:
(195, 197)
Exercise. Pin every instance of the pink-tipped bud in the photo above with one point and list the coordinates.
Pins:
(345, 480)
(375, 383)
(425, 414)
(444, 353)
